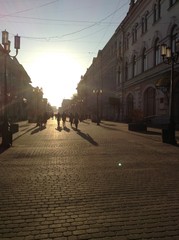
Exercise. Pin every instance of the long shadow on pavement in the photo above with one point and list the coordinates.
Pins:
(38, 129)
(66, 129)
(86, 136)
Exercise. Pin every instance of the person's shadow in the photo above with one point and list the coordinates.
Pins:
(58, 129)
(87, 137)
(38, 129)
(66, 129)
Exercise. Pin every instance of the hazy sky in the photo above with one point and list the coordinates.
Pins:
(59, 38)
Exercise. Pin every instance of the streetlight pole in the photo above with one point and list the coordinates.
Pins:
(97, 92)
(170, 56)
(6, 131)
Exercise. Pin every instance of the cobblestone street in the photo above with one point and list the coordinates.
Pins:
(100, 182)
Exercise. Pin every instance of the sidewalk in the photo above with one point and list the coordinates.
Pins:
(152, 133)
(24, 127)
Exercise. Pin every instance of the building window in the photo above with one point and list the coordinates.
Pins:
(157, 54)
(127, 41)
(144, 60)
(149, 102)
(146, 22)
(157, 11)
(120, 49)
(118, 78)
(134, 33)
(126, 71)
(143, 25)
(134, 66)
(173, 38)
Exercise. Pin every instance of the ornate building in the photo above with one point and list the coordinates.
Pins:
(130, 70)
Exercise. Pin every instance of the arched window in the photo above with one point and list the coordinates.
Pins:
(129, 106)
(134, 33)
(146, 21)
(157, 55)
(118, 78)
(134, 66)
(149, 102)
(155, 12)
(159, 9)
(126, 71)
(143, 25)
(120, 48)
(127, 41)
(144, 60)
(173, 38)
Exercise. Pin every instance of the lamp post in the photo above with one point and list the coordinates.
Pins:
(6, 131)
(97, 92)
(171, 56)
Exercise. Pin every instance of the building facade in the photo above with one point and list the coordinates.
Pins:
(130, 70)
(18, 99)
(14, 88)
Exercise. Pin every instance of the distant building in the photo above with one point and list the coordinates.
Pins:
(18, 88)
(66, 104)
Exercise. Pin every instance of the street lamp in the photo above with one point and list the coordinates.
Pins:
(6, 131)
(97, 92)
(171, 56)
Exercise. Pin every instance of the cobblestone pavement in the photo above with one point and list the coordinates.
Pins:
(101, 182)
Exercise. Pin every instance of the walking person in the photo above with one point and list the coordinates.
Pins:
(71, 119)
(76, 120)
(58, 120)
(64, 119)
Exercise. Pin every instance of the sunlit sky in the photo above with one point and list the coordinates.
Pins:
(59, 38)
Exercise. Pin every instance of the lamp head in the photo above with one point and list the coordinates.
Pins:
(163, 49)
(5, 37)
(16, 42)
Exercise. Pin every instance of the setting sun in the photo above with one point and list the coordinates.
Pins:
(58, 74)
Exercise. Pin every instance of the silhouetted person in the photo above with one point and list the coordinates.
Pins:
(39, 121)
(64, 119)
(71, 119)
(58, 116)
(76, 120)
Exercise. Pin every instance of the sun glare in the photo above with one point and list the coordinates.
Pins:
(57, 74)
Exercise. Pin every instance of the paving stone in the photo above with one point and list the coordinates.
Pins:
(59, 185)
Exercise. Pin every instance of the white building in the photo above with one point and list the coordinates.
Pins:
(143, 80)
(130, 71)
